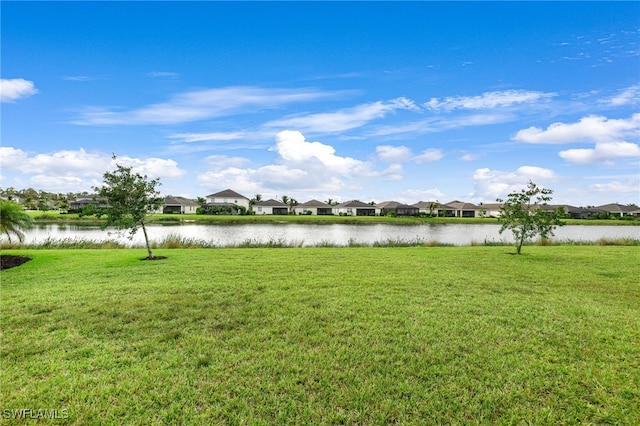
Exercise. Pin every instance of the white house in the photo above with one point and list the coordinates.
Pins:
(354, 208)
(313, 207)
(228, 197)
(270, 206)
(179, 205)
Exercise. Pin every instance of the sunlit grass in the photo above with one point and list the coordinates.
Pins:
(410, 335)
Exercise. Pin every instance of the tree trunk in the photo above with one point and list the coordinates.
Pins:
(146, 240)
(519, 247)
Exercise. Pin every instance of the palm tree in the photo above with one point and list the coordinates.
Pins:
(13, 219)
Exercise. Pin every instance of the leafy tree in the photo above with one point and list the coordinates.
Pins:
(13, 219)
(130, 196)
(526, 214)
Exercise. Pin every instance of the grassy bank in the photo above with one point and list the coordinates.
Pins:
(56, 217)
(449, 335)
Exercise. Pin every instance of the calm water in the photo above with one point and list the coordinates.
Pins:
(336, 234)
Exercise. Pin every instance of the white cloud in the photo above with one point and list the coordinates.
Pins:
(628, 186)
(628, 96)
(433, 125)
(608, 135)
(79, 170)
(153, 167)
(212, 136)
(299, 166)
(604, 152)
(345, 119)
(165, 74)
(294, 149)
(393, 154)
(11, 158)
(488, 100)
(200, 105)
(467, 156)
(16, 88)
(225, 161)
(594, 128)
(423, 194)
(401, 154)
(429, 155)
(491, 184)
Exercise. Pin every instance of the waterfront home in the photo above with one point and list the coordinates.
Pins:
(313, 207)
(270, 206)
(354, 208)
(80, 203)
(615, 209)
(226, 198)
(178, 205)
(399, 209)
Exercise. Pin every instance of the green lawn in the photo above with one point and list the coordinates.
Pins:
(412, 335)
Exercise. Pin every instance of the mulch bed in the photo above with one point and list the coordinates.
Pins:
(8, 261)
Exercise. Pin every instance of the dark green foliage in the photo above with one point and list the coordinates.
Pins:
(130, 197)
(527, 214)
(13, 219)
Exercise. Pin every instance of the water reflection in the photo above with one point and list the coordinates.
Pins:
(314, 235)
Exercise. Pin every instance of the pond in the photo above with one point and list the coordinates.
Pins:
(329, 234)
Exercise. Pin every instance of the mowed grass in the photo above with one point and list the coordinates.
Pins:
(410, 335)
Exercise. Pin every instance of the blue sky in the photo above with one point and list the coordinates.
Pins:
(375, 101)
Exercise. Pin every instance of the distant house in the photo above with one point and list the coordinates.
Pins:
(489, 210)
(427, 207)
(179, 205)
(615, 209)
(227, 198)
(354, 208)
(313, 207)
(80, 203)
(399, 209)
(460, 209)
(270, 206)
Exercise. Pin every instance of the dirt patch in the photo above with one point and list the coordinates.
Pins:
(8, 261)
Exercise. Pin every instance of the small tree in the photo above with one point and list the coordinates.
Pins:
(13, 219)
(525, 215)
(130, 196)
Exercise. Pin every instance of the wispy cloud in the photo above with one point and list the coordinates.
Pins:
(211, 136)
(628, 96)
(16, 88)
(344, 119)
(163, 74)
(81, 78)
(200, 105)
(488, 100)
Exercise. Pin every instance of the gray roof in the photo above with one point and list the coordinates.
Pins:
(270, 203)
(426, 204)
(179, 201)
(394, 205)
(461, 205)
(227, 193)
(314, 203)
(617, 208)
(354, 203)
